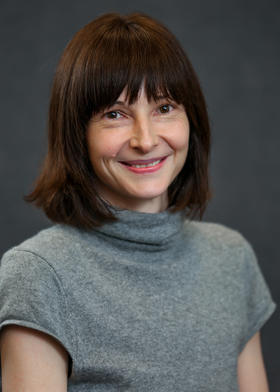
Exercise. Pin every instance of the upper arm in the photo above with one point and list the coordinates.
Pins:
(251, 368)
(32, 361)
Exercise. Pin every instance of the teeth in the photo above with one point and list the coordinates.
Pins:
(149, 165)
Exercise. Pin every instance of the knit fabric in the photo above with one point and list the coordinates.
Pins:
(152, 302)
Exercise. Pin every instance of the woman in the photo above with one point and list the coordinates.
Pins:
(126, 291)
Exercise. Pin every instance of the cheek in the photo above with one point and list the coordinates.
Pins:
(102, 148)
(179, 138)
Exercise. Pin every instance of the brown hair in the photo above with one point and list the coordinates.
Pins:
(108, 54)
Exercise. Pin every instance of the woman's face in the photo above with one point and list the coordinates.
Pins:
(125, 136)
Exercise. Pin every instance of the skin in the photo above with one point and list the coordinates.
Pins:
(32, 361)
(137, 132)
(251, 368)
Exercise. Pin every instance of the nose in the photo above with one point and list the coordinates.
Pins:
(144, 136)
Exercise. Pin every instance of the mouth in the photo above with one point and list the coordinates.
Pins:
(144, 166)
(144, 162)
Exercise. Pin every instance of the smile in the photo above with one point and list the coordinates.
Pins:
(148, 165)
(145, 168)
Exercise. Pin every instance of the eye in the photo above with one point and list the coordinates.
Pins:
(165, 108)
(113, 115)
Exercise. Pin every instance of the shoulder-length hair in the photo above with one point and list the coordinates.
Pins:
(109, 54)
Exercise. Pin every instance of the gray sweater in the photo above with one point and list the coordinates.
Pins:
(152, 302)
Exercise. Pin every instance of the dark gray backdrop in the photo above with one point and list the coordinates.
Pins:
(234, 47)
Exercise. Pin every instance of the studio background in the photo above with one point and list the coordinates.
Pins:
(234, 47)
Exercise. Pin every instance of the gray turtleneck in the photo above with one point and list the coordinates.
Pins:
(151, 302)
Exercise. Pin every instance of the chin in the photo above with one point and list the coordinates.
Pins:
(149, 194)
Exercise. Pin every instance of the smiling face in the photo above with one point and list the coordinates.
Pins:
(124, 138)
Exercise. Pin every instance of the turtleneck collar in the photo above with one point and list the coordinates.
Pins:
(159, 229)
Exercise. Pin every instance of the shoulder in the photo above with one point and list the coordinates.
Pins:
(45, 245)
(220, 242)
(216, 234)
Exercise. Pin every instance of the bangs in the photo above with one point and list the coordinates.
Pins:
(127, 56)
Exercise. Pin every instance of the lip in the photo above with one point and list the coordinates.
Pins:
(143, 161)
(147, 170)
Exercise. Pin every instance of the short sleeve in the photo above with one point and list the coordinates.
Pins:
(31, 295)
(258, 303)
